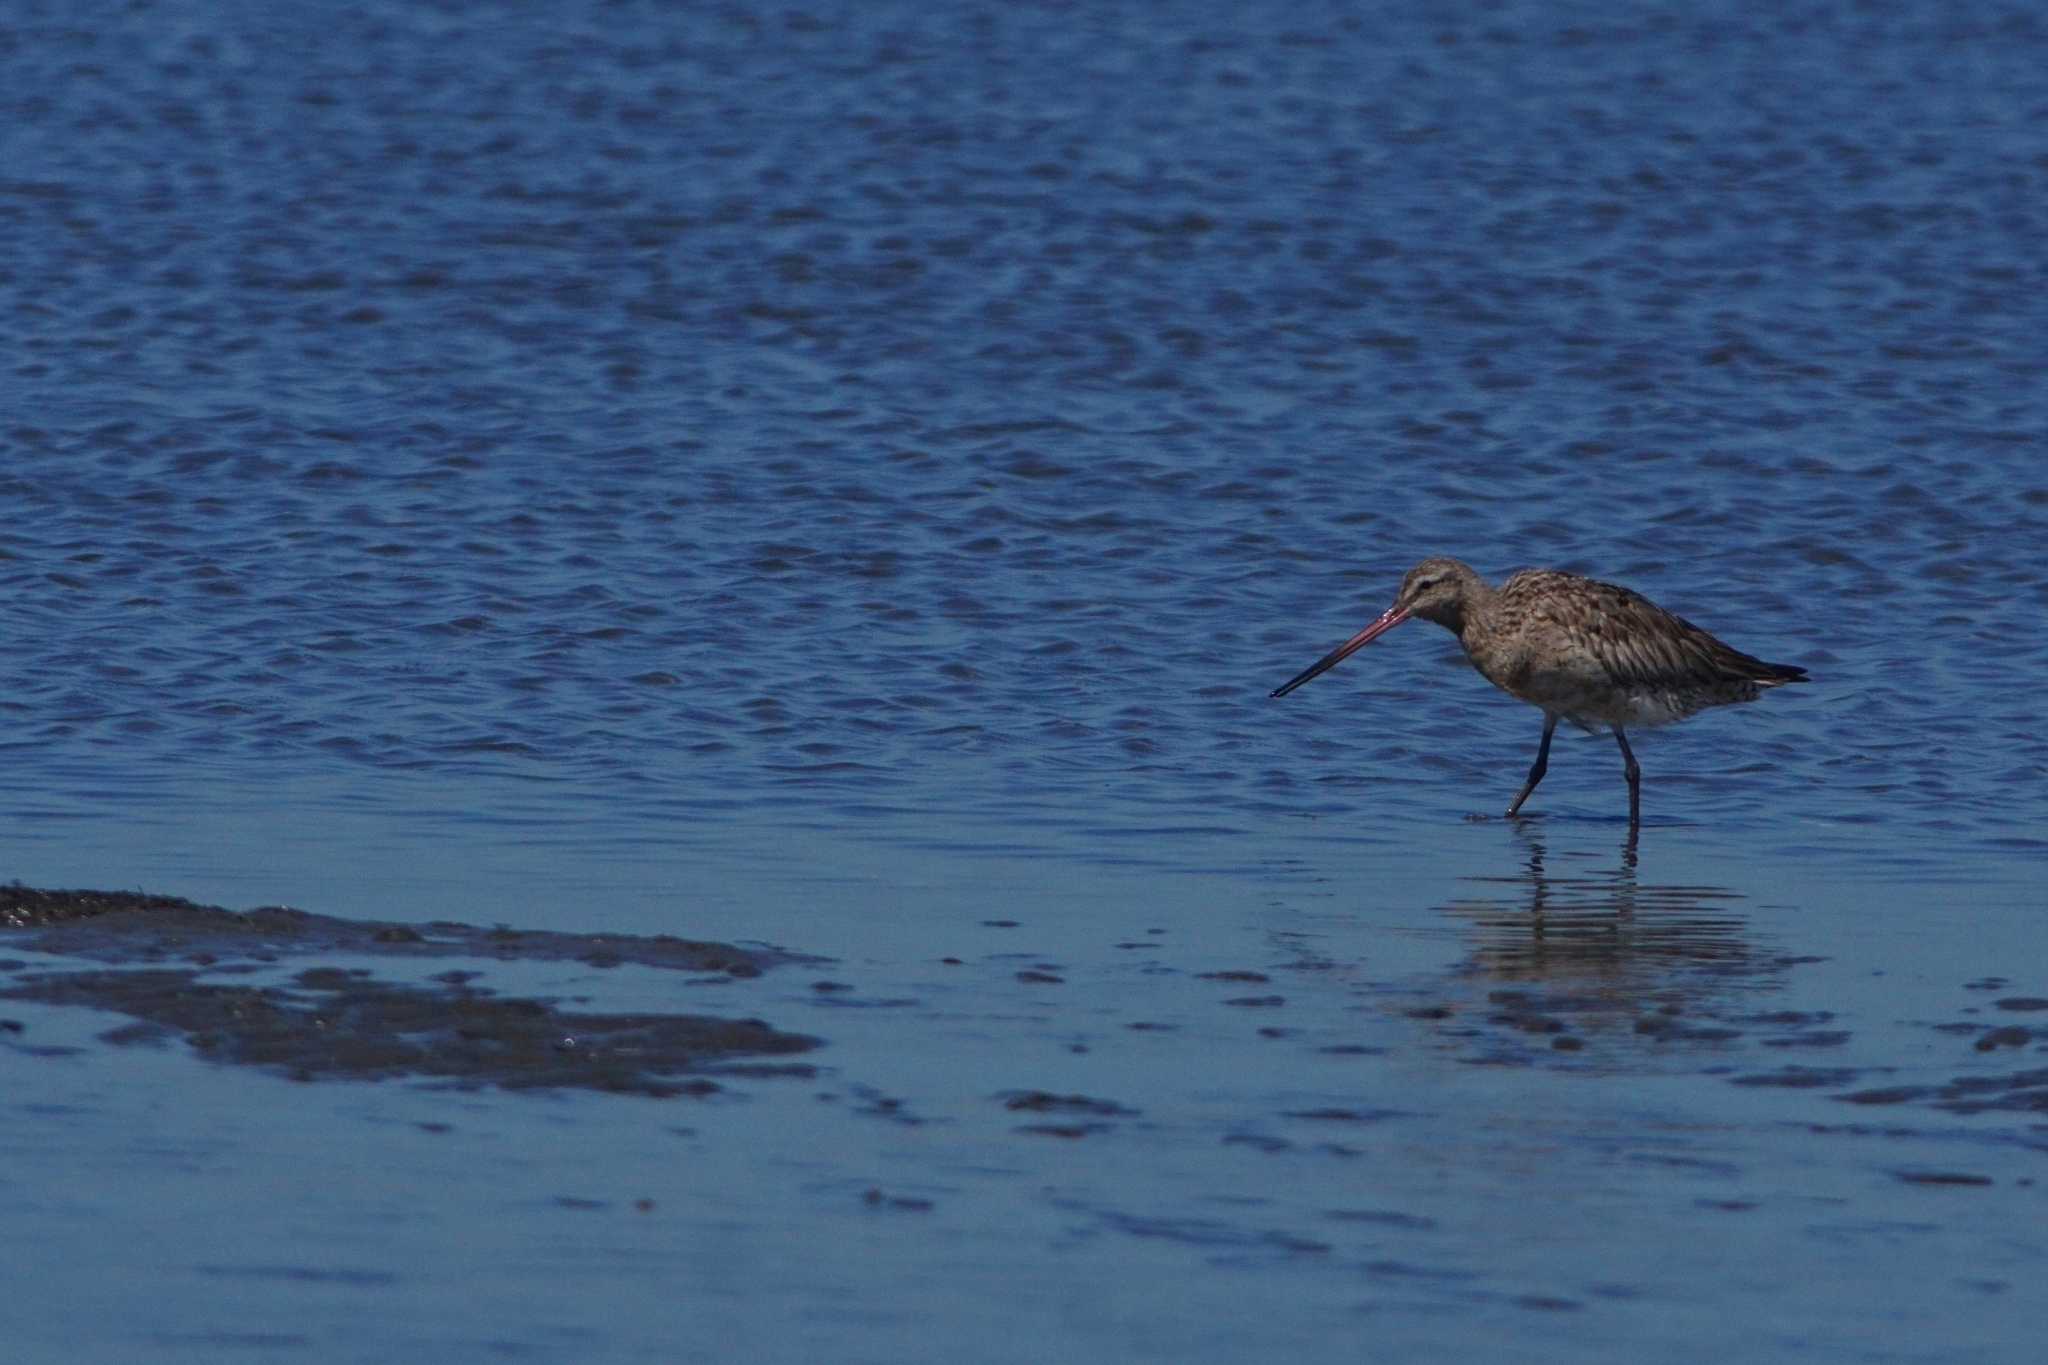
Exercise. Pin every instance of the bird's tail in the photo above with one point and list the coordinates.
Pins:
(1776, 675)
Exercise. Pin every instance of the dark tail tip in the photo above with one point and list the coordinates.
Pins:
(1786, 673)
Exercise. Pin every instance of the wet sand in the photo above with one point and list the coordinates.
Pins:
(1572, 1105)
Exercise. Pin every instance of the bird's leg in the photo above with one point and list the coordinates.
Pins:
(1635, 780)
(1540, 766)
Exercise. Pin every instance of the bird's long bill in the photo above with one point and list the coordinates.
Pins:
(1344, 651)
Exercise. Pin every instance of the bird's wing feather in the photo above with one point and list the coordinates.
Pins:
(1634, 642)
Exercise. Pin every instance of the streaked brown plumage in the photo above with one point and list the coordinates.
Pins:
(1595, 654)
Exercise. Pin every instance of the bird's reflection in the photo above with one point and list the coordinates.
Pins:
(1558, 919)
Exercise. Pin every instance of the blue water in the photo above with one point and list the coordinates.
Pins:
(849, 476)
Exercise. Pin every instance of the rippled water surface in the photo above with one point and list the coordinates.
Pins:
(848, 477)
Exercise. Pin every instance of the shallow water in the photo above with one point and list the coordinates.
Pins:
(847, 478)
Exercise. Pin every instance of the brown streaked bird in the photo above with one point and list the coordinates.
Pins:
(1597, 655)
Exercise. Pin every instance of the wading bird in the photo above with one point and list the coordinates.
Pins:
(1597, 655)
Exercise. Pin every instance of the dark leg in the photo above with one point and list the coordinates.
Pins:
(1541, 765)
(1635, 781)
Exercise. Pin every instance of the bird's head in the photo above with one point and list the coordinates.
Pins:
(1438, 589)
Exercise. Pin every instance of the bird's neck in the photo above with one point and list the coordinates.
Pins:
(1469, 610)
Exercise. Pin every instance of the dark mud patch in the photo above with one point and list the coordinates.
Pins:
(1800, 1078)
(2004, 1037)
(333, 1023)
(1064, 1130)
(1044, 1102)
(1084, 1115)
(2015, 1092)
(875, 1198)
(1338, 1115)
(133, 926)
